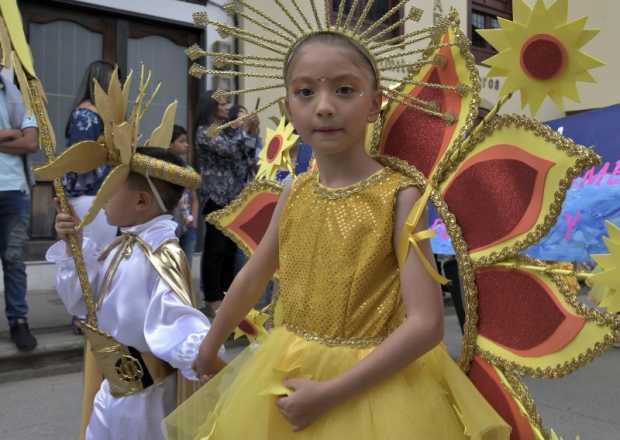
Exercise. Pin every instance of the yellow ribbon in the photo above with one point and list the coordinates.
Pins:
(410, 237)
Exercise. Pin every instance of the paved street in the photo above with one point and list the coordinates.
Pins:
(584, 404)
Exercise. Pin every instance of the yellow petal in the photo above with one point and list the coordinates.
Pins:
(605, 260)
(585, 77)
(611, 303)
(116, 97)
(80, 158)
(521, 12)
(613, 231)
(586, 36)
(535, 98)
(496, 37)
(569, 33)
(126, 89)
(569, 89)
(123, 137)
(495, 71)
(613, 247)
(5, 45)
(516, 34)
(586, 62)
(105, 108)
(557, 97)
(162, 135)
(13, 20)
(559, 11)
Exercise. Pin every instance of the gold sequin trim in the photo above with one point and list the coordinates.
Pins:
(333, 342)
(347, 191)
(520, 392)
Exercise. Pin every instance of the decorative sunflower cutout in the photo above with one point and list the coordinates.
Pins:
(606, 281)
(540, 53)
(252, 326)
(276, 152)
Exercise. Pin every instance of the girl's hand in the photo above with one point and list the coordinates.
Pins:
(305, 405)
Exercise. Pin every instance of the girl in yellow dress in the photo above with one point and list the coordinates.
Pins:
(356, 350)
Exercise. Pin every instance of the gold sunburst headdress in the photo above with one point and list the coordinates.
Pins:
(388, 55)
(117, 147)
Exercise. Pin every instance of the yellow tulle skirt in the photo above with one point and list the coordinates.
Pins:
(429, 400)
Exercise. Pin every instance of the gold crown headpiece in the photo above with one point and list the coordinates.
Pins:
(117, 147)
(385, 53)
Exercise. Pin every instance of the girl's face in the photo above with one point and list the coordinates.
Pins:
(222, 110)
(180, 145)
(331, 97)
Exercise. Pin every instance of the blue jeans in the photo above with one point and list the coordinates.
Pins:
(187, 241)
(14, 224)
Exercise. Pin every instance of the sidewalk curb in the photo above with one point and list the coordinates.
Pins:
(58, 351)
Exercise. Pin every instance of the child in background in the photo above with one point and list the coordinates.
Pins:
(186, 212)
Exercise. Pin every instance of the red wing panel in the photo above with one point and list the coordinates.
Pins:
(252, 222)
(519, 312)
(486, 379)
(504, 185)
(418, 137)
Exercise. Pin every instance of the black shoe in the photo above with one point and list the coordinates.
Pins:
(21, 336)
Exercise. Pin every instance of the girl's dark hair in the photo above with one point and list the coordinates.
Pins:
(233, 112)
(177, 131)
(97, 70)
(330, 38)
(207, 110)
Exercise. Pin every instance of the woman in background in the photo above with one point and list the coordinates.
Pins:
(226, 161)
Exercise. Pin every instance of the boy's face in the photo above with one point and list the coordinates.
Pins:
(331, 97)
(180, 145)
(125, 206)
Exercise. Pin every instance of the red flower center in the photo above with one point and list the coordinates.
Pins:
(543, 57)
(248, 328)
(274, 147)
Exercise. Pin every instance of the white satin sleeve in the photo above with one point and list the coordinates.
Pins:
(67, 281)
(173, 330)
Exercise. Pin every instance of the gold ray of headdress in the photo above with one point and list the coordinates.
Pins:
(118, 145)
(383, 52)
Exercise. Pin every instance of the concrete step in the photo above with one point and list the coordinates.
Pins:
(58, 351)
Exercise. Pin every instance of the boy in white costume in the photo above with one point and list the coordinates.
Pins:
(142, 326)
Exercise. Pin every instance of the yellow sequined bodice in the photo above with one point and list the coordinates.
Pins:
(339, 278)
